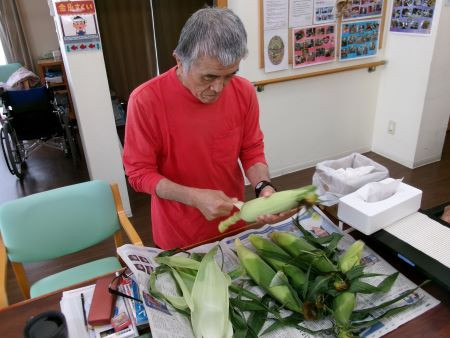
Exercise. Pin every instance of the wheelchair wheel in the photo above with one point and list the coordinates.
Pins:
(11, 151)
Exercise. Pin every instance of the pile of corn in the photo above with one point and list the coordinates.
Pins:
(317, 280)
(306, 275)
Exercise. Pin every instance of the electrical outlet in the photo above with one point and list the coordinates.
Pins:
(391, 127)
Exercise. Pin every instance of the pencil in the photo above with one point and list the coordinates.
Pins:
(84, 311)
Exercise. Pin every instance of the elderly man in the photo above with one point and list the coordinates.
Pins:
(187, 128)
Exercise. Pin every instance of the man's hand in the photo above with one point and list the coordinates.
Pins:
(272, 219)
(213, 203)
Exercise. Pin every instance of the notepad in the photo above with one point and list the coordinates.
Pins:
(424, 234)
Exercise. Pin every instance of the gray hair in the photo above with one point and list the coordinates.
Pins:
(215, 32)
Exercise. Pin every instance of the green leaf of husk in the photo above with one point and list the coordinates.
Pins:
(236, 273)
(197, 256)
(355, 272)
(178, 262)
(319, 285)
(330, 249)
(389, 313)
(363, 313)
(315, 241)
(294, 320)
(240, 291)
(247, 305)
(243, 292)
(168, 252)
(239, 325)
(297, 261)
(177, 302)
(384, 286)
(306, 285)
(257, 319)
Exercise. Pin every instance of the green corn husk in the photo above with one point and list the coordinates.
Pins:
(343, 306)
(299, 247)
(178, 262)
(210, 299)
(295, 275)
(275, 283)
(274, 204)
(351, 257)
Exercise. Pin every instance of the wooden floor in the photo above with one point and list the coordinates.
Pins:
(48, 169)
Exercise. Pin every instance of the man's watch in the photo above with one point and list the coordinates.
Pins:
(261, 185)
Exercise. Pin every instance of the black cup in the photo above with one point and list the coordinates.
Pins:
(50, 324)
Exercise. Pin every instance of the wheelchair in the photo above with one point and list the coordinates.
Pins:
(32, 119)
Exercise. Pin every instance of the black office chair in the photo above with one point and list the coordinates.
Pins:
(32, 119)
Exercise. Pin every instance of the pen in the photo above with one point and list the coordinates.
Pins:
(84, 311)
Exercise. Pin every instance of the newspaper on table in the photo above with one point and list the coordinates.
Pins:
(165, 321)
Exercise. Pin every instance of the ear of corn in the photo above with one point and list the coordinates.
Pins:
(295, 275)
(343, 306)
(210, 298)
(274, 204)
(262, 244)
(351, 257)
(276, 284)
(299, 247)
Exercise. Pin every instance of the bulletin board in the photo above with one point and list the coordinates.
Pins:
(310, 67)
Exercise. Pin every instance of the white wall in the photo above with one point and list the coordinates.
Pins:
(309, 120)
(86, 75)
(437, 100)
(39, 27)
(402, 94)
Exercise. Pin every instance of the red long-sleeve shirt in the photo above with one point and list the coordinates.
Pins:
(171, 134)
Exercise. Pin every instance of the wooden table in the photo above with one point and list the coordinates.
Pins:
(433, 323)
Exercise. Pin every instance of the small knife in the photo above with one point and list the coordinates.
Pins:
(238, 204)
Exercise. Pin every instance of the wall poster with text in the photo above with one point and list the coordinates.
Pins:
(79, 25)
(357, 9)
(412, 16)
(313, 45)
(359, 39)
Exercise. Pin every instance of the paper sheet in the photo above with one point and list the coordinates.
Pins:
(424, 234)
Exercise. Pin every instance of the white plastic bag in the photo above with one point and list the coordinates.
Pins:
(336, 178)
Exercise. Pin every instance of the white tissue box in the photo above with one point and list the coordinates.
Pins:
(369, 217)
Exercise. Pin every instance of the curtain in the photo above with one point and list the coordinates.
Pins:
(170, 17)
(12, 35)
(127, 40)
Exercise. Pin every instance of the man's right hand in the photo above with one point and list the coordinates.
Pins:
(213, 203)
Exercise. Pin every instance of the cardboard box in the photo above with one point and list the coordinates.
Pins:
(369, 217)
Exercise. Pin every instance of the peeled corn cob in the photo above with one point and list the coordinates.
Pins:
(297, 246)
(274, 204)
(296, 276)
(263, 275)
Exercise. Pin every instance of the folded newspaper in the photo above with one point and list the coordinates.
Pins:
(165, 321)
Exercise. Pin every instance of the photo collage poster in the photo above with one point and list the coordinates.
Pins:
(79, 26)
(314, 45)
(359, 39)
(359, 9)
(359, 34)
(412, 16)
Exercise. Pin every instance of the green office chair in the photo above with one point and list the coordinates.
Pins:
(58, 222)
